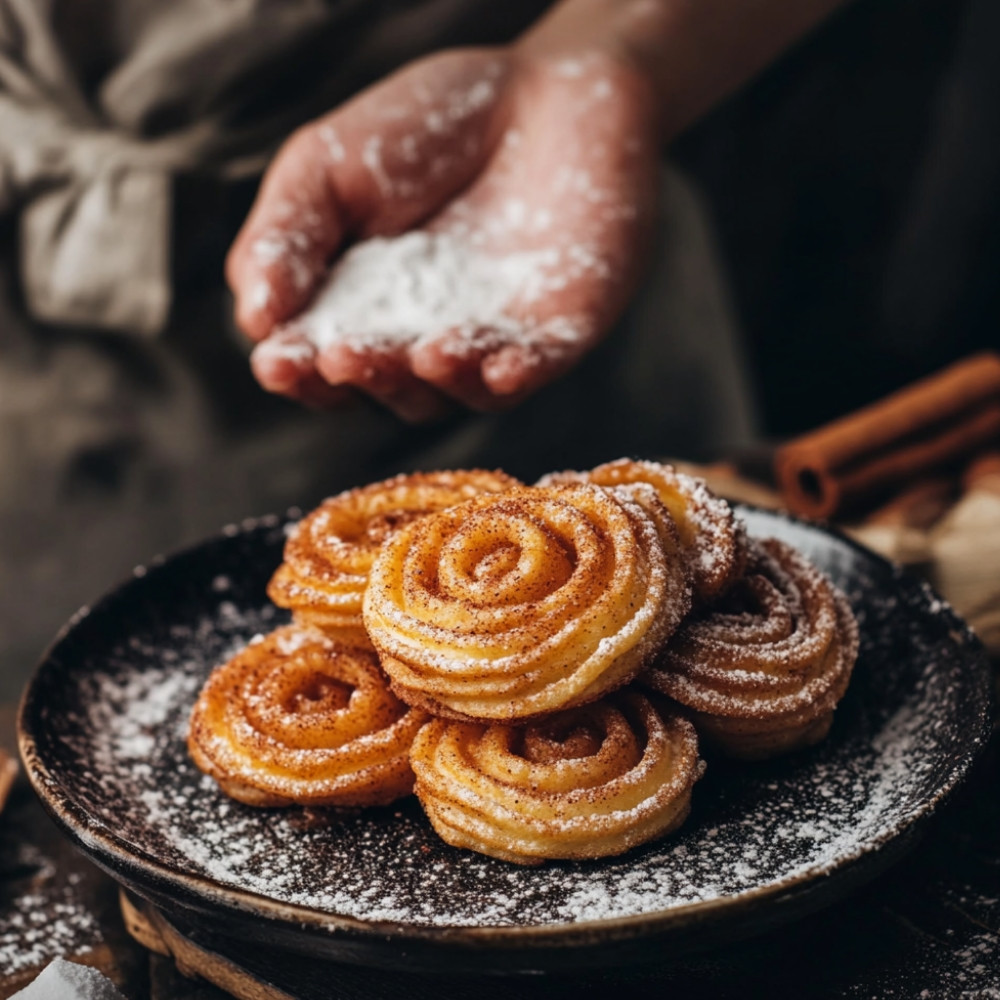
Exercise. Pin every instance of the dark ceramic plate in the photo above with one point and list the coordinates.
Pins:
(102, 732)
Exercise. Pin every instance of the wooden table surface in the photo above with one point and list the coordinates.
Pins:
(929, 928)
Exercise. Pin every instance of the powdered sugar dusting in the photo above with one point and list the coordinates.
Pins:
(46, 919)
(897, 735)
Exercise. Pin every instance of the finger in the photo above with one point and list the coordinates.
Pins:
(285, 364)
(452, 362)
(543, 354)
(385, 375)
(496, 367)
(281, 252)
(283, 360)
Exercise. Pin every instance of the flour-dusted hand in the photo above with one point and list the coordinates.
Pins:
(468, 228)
(465, 230)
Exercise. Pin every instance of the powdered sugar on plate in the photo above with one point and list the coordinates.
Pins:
(114, 733)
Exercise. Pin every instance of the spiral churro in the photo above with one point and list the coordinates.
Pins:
(477, 638)
(329, 554)
(588, 783)
(297, 718)
(713, 539)
(762, 673)
(513, 606)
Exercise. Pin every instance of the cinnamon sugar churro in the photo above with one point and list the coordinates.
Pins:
(489, 642)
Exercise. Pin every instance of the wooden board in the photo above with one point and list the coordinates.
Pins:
(149, 927)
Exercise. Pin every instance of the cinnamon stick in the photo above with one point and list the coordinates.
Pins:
(931, 426)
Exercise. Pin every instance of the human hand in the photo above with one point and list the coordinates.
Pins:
(525, 181)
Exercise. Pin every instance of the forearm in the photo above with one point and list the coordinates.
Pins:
(692, 52)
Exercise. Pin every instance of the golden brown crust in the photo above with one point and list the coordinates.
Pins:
(297, 718)
(588, 783)
(762, 673)
(514, 606)
(329, 553)
(712, 537)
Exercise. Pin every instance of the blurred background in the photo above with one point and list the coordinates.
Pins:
(829, 234)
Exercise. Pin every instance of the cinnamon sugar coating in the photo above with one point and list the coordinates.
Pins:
(513, 606)
(712, 537)
(587, 783)
(762, 672)
(329, 553)
(297, 718)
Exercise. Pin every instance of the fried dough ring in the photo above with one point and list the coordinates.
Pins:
(588, 783)
(330, 551)
(713, 538)
(514, 606)
(297, 718)
(762, 673)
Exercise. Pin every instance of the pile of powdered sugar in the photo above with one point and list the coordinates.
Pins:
(386, 292)
(64, 980)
